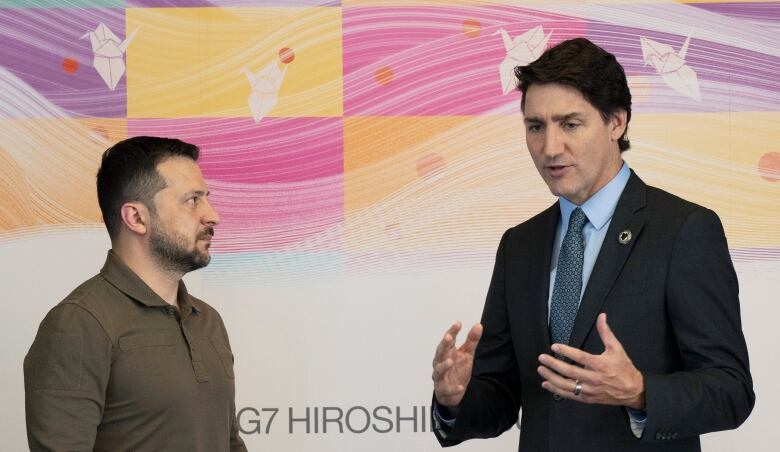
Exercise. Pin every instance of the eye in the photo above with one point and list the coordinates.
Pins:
(533, 128)
(192, 201)
(570, 125)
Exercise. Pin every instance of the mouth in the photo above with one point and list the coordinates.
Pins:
(207, 234)
(206, 238)
(557, 170)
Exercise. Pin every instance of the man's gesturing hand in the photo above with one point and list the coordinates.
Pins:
(609, 378)
(452, 365)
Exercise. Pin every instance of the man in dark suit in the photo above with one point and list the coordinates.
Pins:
(612, 317)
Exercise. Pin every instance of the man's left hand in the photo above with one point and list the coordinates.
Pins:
(609, 378)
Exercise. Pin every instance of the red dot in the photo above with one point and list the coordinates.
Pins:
(384, 75)
(769, 166)
(429, 164)
(471, 28)
(70, 65)
(286, 55)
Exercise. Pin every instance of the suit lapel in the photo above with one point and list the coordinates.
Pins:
(611, 258)
(539, 275)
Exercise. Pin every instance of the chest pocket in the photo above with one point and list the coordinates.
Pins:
(224, 353)
(145, 341)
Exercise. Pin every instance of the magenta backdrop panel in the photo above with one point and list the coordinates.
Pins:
(440, 60)
(277, 185)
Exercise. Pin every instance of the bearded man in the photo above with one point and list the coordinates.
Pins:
(130, 360)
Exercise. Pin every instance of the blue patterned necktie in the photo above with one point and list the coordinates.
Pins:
(568, 280)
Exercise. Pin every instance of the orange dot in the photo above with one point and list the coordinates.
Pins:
(102, 131)
(70, 65)
(384, 75)
(430, 164)
(471, 28)
(769, 166)
(286, 55)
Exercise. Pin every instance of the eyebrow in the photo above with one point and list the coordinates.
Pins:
(555, 118)
(197, 192)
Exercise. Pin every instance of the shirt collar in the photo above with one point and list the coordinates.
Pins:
(599, 207)
(123, 278)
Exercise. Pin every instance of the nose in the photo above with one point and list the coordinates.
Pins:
(553, 143)
(210, 215)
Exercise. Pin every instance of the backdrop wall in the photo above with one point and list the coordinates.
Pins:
(365, 158)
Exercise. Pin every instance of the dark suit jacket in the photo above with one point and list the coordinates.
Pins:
(671, 298)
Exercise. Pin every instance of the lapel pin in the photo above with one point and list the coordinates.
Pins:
(624, 237)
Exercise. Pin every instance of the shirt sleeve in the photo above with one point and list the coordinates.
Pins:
(236, 443)
(442, 423)
(65, 378)
(637, 419)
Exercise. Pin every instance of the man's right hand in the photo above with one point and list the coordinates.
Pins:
(452, 365)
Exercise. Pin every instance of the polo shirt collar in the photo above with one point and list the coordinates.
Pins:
(123, 278)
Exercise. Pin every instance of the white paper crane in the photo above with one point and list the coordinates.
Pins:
(671, 66)
(108, 50)
(265, 89)
(524, 49)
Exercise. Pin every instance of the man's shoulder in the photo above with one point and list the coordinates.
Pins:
(89, 294)
(542, 220)
(674, 211)
(81, 308)
(662, 199)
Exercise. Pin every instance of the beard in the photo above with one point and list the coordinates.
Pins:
(171, 250)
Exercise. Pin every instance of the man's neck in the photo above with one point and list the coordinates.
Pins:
(163, 282)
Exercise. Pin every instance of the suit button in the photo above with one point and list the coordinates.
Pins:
(557, 398)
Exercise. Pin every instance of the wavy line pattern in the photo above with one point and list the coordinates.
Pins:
(36, 43)
(436, 68)
(391, 145)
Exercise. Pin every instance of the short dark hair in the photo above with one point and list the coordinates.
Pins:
(589, 69)
(128, 172)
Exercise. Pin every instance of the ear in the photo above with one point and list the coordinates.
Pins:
(618, 122)
(135, 216)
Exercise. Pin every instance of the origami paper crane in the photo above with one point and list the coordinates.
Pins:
(522, 50)
(265, 89)
(108, 50)
(671, 66)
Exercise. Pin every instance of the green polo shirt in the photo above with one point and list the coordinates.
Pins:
(115, 368)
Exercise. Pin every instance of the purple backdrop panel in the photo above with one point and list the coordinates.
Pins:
(729, 78)
(44, 48)
(277, 185)
(764, 14)
(438, 60)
